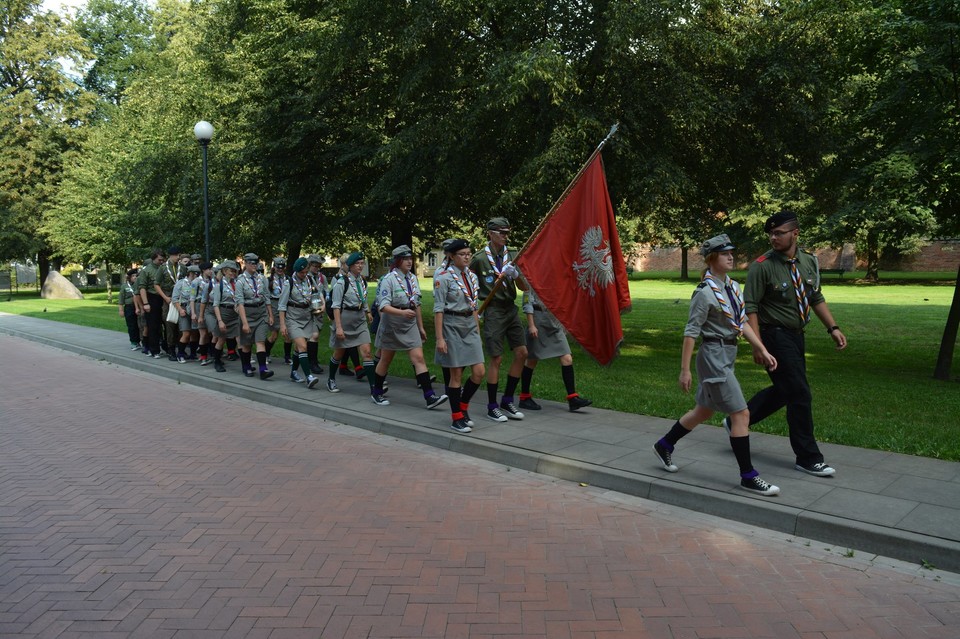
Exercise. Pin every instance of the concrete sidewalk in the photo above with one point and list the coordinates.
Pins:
(884, 503)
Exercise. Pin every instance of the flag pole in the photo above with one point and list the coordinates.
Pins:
(553, 209)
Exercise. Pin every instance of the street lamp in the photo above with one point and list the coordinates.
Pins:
(203, 131)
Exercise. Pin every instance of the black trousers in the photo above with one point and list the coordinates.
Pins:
(154, 322)
(791, 389)
(133, 327)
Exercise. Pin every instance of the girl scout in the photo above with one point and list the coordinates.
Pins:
(296, 320)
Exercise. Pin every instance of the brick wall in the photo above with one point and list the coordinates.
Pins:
(940, 255)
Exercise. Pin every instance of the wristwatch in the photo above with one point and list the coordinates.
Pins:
(832, 329)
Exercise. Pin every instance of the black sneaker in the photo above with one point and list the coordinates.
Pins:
(287, 361)
(496, 415)
(758, 486)
(510, 410)
(173, 358)
(316, 369)
(435, 400)
(249, 372)
(529, 404)
(576, 403)
(312, 381)
(232, 357)
(182, 359)
(332, 386)
(466, 418)
(818, 470)
(460, 426)
(346, 372)
(360, 375)
(297, 378)
(219, 367)
(266, 374)
(665, 457)
(379, 400)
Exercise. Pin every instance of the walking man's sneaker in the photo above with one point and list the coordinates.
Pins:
(312, 381)
(576, 403)
(758, 486)
(332, 386)
(529, 404)
(818, 470)
(460, 426)
(496, 415)
(435, 400)
(510, 410)
(665, 458)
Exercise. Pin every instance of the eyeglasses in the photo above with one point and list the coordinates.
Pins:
(498, 232)
(779, 234)
(464, 254)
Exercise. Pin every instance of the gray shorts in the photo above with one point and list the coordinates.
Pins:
(501, 322)
(257, 321)
(722, 397)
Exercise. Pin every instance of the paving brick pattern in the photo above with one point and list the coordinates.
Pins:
(133, 506)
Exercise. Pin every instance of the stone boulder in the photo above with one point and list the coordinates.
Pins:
(57, 287)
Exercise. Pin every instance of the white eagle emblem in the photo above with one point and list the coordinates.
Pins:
(596, 267)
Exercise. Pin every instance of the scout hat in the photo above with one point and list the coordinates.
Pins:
(779, 219)
(173, 250)
(193, 268)
(133, 271)
(195, 256)
(716, 244)
(251, 257)
(205, 265)
(402, 251)
(498, 224)
(445, 245)
(313, 258)
(279, 262)
(229, 264)
(300, 264)
(354, 257)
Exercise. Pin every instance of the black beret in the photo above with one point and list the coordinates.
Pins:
(457, 245)
(779, 219)
(205, 265)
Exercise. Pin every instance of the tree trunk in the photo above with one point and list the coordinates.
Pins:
(106, 267)
(949, 341)
(43, 262)
(294, 246)
(873, 258)
(684, 263)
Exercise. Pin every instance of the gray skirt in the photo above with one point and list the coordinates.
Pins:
(551, 339)
(721, 396)
(185, 323)
(232, 322)
(355, 330)
(300, 323)
(397, 333)
(464, 345)
(257, 321)
(210, 320)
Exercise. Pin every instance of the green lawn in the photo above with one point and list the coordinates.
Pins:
(878, 393)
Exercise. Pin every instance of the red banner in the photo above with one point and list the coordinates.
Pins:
(576, 267)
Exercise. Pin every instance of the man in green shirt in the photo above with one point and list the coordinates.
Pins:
(783, 286)
(151, 301)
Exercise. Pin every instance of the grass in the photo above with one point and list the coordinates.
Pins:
(879, 393)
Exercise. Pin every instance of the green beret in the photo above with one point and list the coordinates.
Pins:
(300, 264)
(354, 257)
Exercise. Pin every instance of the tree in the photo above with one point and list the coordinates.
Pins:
(41, 116)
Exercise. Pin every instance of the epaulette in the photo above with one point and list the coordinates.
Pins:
(761, 259)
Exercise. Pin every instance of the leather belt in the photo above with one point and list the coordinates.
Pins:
(447, 311)
(350, 308)
(253, 305)
(298, 305)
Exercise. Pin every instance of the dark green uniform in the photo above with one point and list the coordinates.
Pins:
(769, 291)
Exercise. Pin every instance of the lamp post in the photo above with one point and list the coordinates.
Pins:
(203, 131)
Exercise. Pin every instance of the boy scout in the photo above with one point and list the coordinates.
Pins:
(501, 318)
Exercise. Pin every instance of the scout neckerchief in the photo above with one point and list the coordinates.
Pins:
(493, 262)
(469, 292)
(173, 278)
(730, 304)
(277, 287)
(252, 279)
(306, 295)
(361, 288)
(803, 304)
(407, 284)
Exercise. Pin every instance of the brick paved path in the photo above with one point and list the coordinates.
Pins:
(124, 512)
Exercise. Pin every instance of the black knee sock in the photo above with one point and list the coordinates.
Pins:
(491, 394)
(262, 360)
(378, 382)
(526, 376)
(218, 355)
(245, 359)
(204, 350)
(677, 432)
(368, 368)
(446, 375)
(424, 380)
(231, 344)
(312, 350)
(268, 347)
(741, 450)
(566, 372)
(334, 366)
(454, 394)
(287, 347)
(304, 361)
(194, 347)
(469, 390)
(355, 358)
(510, 388)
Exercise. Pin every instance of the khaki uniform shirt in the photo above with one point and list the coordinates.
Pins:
(770, 293)
(506, 295)
(167, 276)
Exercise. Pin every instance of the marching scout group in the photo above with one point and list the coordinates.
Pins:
(193, 310)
